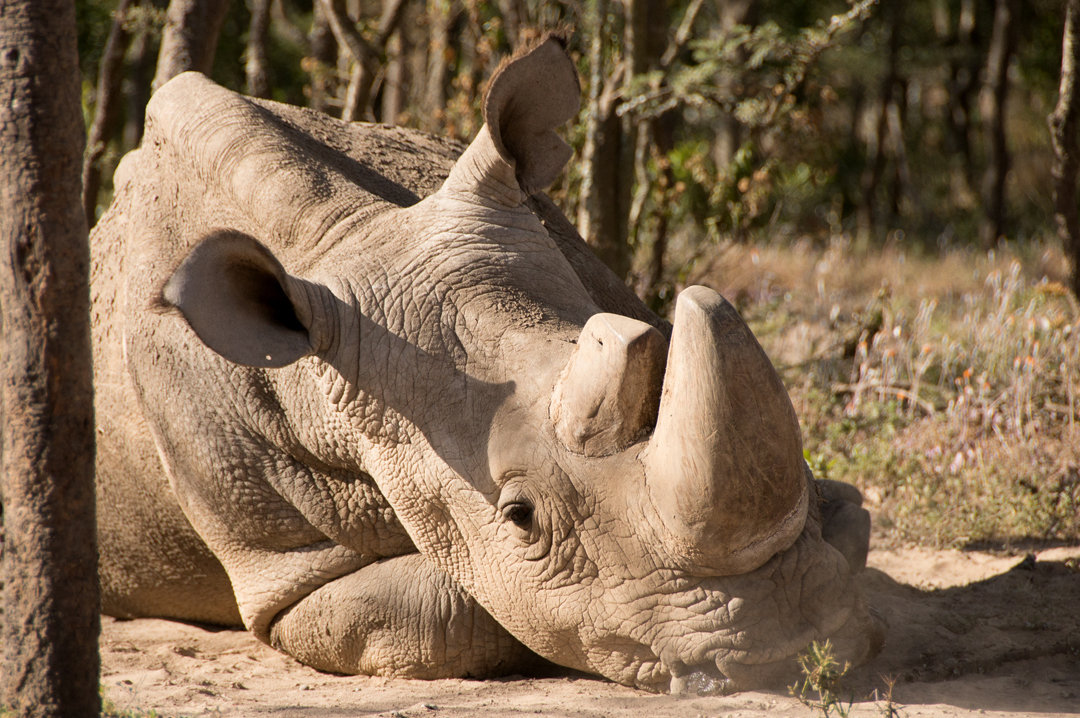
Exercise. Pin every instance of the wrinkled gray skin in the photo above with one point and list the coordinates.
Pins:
(404, 437)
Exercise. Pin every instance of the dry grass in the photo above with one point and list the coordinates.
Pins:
(946, 388)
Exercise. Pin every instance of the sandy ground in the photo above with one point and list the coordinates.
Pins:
(971, 634)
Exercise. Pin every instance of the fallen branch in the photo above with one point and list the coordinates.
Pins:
(930, 409)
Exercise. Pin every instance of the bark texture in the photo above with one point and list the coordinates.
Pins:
(1063, 128)
(49, 567)
(190, 38)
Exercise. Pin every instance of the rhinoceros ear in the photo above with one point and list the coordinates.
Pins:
(235, 295)
(530, 97)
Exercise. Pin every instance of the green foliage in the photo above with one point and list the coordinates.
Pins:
(771, 66)
(760, 76)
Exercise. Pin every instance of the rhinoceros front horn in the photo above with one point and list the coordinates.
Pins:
(724, 466)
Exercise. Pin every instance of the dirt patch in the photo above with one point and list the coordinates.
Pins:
(970, 634)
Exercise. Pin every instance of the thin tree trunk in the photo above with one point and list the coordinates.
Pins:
(49, 565)
(1002, 45)
(324, 52)
(441, 15)
(395, 79)
(964, 74)
(515, 18)
(393, 89)
(364, 61)
(607, 158)
(875, 166)
(285, 24)
(256, 64)
(662, 130)
(1063, 128)
(898, 148)
(108, 97)
(729, 131)
(137, 87)
(190, 38)
(365, 56)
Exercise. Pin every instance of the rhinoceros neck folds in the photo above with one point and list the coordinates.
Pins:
(483, 173)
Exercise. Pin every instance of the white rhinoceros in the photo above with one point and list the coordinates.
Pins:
(429, 437)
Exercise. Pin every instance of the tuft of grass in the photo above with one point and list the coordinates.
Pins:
(819, 689)
(946, 388)
(888, 708)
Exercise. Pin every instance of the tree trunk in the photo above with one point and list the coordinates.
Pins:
(1002, 45)
(138, 89)
(190, 38)
(365, 56)
(1063, 128)
(604, 209)
(515, 17)
(441, 16)
(964, 73)
(394, 81)
(324, 53)
(364, 62)
(108, 97)
(49, 566)
(662, 130)
(256, 64)
(875, 165)
(729, 131)
(285, 25)
(898, 148)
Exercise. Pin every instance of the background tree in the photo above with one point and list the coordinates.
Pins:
(917, 123)
(190, 38)
(1002, 47)
(49, 565)
(107, 104)
(1063, 128)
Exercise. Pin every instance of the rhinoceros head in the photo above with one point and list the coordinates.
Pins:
(625, 498)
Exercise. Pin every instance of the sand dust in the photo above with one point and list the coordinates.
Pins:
(970, 634)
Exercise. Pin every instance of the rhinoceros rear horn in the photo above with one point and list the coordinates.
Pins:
(724, 465)
(235, 295)
(529, 97)
(607, 396)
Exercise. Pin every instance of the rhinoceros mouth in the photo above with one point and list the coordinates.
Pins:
(701, 680)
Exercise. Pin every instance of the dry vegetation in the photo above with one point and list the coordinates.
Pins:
(947, 388)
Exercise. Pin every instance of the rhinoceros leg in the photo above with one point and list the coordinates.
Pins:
(844, 523)
(399, 617)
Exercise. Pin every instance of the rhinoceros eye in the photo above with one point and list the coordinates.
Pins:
(520, 513)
